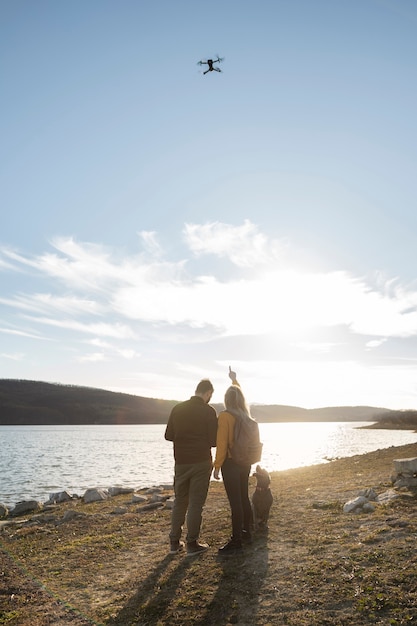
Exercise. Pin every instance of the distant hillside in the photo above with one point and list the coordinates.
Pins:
(24, 402)
(404, 420)
(282, 413)
(31, 402)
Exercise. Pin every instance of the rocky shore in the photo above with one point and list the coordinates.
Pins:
(149, 498)
(106, 561)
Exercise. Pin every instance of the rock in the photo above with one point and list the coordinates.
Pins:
(137, 498)
(27, 506)
(59, 496)
(150, 506)
(95, 495)
(119, 510)
(387, 496)
(409, 466)
(369, 494)
(355, 504)
(368, 507)
(169, 503)
(118, 491)
(71, 514)
(4, 511)
(403, 481)
(156, 497)
(405, 473)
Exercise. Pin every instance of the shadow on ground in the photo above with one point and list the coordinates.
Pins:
(236, 584)
(236, 600)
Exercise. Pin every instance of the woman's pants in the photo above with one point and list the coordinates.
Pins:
(236, 479)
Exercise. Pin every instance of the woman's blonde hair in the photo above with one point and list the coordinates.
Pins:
(235, 402)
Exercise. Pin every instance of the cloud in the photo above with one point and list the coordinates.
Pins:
(46, 302)
(89, 281)
(375, 343)
(150, 243)
(243, 245)
(20, 333)
(18, 356)
(116, 330)
(95, 357)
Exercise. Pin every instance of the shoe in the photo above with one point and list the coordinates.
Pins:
(246, 537)
(176, 546)
(231, 547)
(195, 547)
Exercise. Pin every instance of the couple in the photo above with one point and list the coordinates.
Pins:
(194, 429)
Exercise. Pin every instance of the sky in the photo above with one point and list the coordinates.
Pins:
(159, 224)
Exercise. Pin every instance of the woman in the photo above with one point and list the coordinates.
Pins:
(235, 477)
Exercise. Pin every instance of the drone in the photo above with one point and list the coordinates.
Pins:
(210, 63)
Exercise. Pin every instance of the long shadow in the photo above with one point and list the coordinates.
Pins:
(232, 603)
(150, 602)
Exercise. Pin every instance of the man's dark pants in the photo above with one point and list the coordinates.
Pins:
(191, 485)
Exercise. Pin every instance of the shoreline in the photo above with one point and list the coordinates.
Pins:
(34, 479)
(107, 563)
(169, 486)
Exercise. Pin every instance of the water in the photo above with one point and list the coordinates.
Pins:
(36, 461)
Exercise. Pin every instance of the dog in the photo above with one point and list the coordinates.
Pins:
(261, 499)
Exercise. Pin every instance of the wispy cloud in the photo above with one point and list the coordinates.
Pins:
(243, 245)
(87, 282)
(47, 302)
(20, 333)
(18, 356)
(94, 357)
(116, 330)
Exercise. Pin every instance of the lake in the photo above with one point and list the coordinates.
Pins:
(36, 461)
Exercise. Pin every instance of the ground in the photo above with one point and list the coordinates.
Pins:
(315, 566)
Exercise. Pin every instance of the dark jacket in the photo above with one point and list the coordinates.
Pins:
(192, 426)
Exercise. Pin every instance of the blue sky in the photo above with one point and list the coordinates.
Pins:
(158, 224)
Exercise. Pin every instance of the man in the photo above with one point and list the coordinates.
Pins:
(192, 426)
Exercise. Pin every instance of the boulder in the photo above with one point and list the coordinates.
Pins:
(95, 495)
(59, 496)
(27, 506)
(3, 510)
(369, 494)
(355, 505)
(406, 466)
(387, 496)
(405, 473)
(118, 491)
(368, 507)
(150, 507)
(71, 514)
(138, 498)
(403, 481)
(156, 497)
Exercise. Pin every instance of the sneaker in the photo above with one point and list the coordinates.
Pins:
(195, 547)
(246, 537)
(231, 547)
(176, 546)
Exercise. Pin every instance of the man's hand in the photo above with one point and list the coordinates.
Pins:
(216, 474)
(232, 375)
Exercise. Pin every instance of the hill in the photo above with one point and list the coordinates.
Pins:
(31, 402)
(24, 402)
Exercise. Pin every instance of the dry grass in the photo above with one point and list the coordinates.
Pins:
(316, 566)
